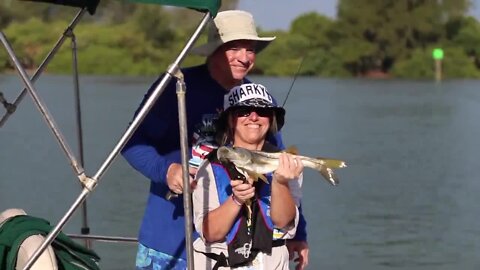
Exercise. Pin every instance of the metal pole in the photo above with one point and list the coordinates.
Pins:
(42, 108)
(90, 186)
(85, 229)
(45, 62)
(104, 238)
(151, 100)
(89, 183)
(187, 202)
(438, 70)
(53, 234)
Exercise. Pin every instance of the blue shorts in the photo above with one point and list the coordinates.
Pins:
(149, 259)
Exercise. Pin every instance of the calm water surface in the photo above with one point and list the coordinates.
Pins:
(406, 201)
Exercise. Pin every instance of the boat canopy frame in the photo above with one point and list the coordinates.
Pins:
(89, 183)
(84, 5)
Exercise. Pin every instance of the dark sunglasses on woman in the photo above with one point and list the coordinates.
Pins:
(246, 111)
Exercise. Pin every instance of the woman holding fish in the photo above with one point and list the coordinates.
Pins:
(243, 222)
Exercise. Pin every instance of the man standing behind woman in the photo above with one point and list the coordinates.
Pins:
(243, 224)
(154, 148)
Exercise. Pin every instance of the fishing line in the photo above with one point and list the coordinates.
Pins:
(293, 82)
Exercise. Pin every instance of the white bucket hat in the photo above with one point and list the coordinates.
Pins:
(228, 26)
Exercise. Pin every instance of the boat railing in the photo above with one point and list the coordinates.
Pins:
(103, 238)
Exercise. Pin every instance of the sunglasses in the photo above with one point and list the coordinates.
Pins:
(246, 111)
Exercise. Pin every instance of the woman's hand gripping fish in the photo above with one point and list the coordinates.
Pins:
(258, 163)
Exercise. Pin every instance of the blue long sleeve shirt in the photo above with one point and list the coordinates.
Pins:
(155, 145)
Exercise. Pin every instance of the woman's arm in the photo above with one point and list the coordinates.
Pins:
(212, 220)
(217, 223)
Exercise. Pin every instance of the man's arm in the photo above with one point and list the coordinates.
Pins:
(145, 159)
(301, 234)
(140, 151)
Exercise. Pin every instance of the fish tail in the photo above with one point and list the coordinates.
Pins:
(332, 163)
(326, 171)
(329, 175)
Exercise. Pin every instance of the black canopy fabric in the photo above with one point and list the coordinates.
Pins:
(91, 5)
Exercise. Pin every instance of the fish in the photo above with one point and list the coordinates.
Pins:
(257, 163)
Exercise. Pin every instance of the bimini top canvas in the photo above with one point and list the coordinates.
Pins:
(91, 5)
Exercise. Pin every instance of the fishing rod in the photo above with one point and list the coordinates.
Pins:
(293, 81)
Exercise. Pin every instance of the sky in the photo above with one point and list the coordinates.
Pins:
(278, 14)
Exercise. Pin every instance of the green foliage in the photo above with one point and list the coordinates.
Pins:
(3, 60)
(389, 36)
(314, 27)
(116, 11)
(395, 29)
(467, 36)
(456, 64)
(6, 16)
(155, 24)
(272, 61)
(308, 45)
(32, 39)
(419, 65)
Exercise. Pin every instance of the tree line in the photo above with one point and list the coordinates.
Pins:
(372, 38)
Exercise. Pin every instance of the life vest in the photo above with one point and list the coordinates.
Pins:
(247, 237)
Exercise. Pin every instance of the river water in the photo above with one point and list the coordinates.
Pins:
(407, 199)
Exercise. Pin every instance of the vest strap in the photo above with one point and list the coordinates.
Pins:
(222, 260)
(278, 242)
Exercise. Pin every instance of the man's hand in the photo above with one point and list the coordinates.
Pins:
(298, 250)
(175, 180)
